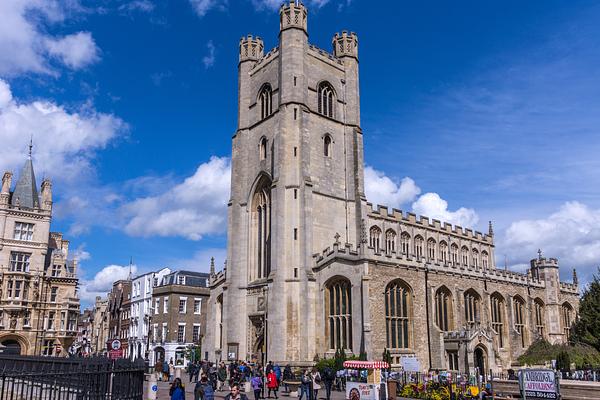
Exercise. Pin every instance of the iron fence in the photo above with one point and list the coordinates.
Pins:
(54, 378)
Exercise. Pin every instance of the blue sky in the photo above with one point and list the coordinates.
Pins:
(471, 111)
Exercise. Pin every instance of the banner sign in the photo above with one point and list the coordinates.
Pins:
(410, 364)
(538, 384)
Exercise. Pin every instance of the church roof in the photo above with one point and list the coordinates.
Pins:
(25, 194)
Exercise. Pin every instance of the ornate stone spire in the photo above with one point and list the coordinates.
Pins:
(490, 229)
(212, 266)
(26, 194)
(575, 280)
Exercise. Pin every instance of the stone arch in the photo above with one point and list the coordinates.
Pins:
(444, 316)
(15, 342)
(398, 314)
(259, 207)
(480, 359)
(338, 312)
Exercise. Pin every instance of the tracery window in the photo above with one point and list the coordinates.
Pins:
(374, 238)
(444, 251)
(484, 259)
(390, 241)
(464, 252)
(497, 310)
(475, 253)
(405, 243)
(431, 249)
(538, 310)
(454, 253)
(398, 309)
(418, 246)
(519, 310)
(327, 145)
(261, 230)
(443, 309)
(567, 319)
(472, 307)
(326, 100)
(339, 314)
(265, 98)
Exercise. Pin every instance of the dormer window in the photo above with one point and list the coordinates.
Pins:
(55, 270)
(265, 98)
(326, 100)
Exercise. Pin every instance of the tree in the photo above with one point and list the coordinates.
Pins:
(193, 353)
(586, 329)
(387, 357)
(563, 361)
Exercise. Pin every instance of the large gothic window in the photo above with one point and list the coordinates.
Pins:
(397, 314)
(265, 98)
(497, 310)
(326, 100)
(539, 317)
(390, 241)
(567, 319)
(405, 243)
(431, 249)
(339, 314)
(418, 246)
(519, 317)
(464, 252)
(454, 253)
(261, 230)
(443, 309)
(472, 307)
(375, 238)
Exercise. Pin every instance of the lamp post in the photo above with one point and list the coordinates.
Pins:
(147, 358)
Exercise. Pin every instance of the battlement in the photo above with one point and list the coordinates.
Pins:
(542, 262)
(421, 220)
(251, 48)
(569, 287)
(345, 44)
(293, 15)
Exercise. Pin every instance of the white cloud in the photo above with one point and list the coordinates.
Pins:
(25, 45)
(201, 7)
(433, 206)
(382, 190)
(275, 4)
(138, 5)
(571, 234)
(64, 141)
(191, 209)
(102, 282)
(80, 254)
(209, 59)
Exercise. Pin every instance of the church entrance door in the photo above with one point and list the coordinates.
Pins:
(480, 356)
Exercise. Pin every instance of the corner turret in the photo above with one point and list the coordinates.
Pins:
(46, 195)
(293, 15)
(251, 48)
(345, 44)
(6, 183)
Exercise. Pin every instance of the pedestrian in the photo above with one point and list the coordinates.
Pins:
(165, 370)
(177, 391)
(191, 370)
(305, 381)
(235, 394)
(203, 390)
(158, 369)
(328, 378)
(212, 375)
(277, 370)
(171, 369)
(257, 385)
(221, 376)
(196, 371)
(272, 383)
(316, 381)
(269, 367)
(288, 375)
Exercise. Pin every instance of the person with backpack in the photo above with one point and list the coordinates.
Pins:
(328, 378)
(288, 375)
(316, 382)
(305, 383)
(257, 385)
(204, 390)
(277, 370)
(272, 384)
(165, 370)
(177, 391)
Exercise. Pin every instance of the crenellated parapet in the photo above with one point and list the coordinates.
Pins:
(345, 44)
(251, 48)
(293, 15)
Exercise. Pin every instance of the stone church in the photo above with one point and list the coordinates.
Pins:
(312, 266)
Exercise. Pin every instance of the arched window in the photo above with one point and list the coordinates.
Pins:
(327, 145)
(454, 253)
(339, 314)
(374, 238)
(444, 251)
(405, 243)
(261, 230)
(497, 310)
(443, 308)
(326, 100)
(265, 98)
(464, 252)
(262, 148)
(484, 259)
(567, 319)
(431, 249)
(398, 310)
(472, 307)
(519, 317)
(418, 246)
(539, 317)
(390, 241)
(475, 254)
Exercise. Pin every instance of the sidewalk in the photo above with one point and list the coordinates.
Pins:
(163, 392)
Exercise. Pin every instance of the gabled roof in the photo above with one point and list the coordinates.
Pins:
(25, 194)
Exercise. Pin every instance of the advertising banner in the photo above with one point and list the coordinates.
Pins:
(538, 384)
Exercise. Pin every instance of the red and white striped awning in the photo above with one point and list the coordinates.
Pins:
(366, 364)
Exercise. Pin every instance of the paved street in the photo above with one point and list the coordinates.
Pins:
(163, 392)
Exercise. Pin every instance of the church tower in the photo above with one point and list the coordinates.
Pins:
(297, 185)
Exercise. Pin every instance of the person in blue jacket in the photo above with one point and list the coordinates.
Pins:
(177, 391)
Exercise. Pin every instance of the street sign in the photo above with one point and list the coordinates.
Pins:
(114, 354)
(116, 344)
(155, 388)
(538, 384)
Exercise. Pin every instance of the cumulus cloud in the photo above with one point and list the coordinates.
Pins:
(137, 5)
(190, 209)
(209, 59)
(380, 189)
(201, 7)
(433, 206)
(64, 141)
(102, 282)
(25, 45)
(572, 234)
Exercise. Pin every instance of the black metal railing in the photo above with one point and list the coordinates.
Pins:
(45, 378)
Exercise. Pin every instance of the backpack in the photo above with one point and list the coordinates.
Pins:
(209, 393)
(305, 379)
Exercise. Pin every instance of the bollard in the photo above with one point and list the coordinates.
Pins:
(152, 387)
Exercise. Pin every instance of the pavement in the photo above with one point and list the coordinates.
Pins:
(163, 392)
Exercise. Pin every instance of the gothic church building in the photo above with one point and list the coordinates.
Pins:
(314, 267)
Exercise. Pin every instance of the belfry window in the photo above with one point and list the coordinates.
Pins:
(339, 314)
(326, 100)
(397, 314)
(261, 231)
(327, 146)
(265, 98)
(374, 238)
(497, 310)
(519, 317)
(472, 306)
(540, 326)
(390, 241)
(443, 309)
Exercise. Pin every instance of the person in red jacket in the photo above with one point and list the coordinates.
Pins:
(272, 384)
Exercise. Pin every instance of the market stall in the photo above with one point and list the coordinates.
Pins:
(367, 384)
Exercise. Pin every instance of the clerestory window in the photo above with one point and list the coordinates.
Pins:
(265, 98)
(326, 100)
